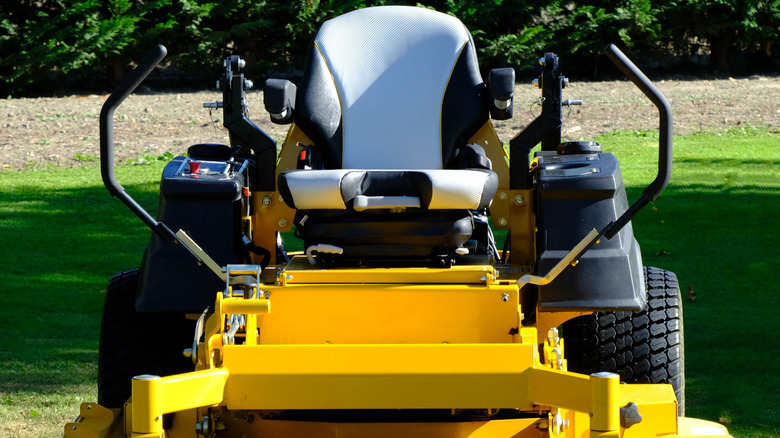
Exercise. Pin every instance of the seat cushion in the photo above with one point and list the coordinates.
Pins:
(436, 189)
(377, 235)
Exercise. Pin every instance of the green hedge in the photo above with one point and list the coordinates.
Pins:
(48, 45)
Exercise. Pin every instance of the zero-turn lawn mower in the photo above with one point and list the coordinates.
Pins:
(403, 316)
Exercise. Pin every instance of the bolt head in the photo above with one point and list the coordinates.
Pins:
(542, 61)
(266, 201)
(502, 196)
(503, 221)
(536, 83)
(505, 297)
(553, 337)
(282, 223)
(202, 427)
(519, 200)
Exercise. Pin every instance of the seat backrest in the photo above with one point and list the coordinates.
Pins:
(391, 87)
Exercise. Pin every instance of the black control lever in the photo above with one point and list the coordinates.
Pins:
(664, 138)
(125, 88)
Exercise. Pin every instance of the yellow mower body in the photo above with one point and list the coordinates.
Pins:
(303, 349)
(357, 341)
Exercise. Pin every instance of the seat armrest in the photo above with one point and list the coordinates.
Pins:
(279, 100)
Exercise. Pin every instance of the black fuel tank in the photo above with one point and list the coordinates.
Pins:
(576, 193)
(208, 205)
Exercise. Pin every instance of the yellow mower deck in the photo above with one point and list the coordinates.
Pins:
(452, 344)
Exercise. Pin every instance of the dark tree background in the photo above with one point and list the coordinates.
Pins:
(49, 46)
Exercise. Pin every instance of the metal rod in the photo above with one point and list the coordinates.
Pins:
(125, 88)
(665, 137)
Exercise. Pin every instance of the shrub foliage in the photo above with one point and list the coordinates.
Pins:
(46, 45)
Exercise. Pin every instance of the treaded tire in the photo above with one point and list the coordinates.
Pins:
(642, 347)
(133, 343)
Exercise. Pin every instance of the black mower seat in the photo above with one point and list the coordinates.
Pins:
(390, 97)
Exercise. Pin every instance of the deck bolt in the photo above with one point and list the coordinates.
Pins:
(505, 297)
(266, 201)
(282, 223)
(553, 338)
(558, 358)
(519, 200)
(561, 425)
(202, 427)
(502, 196)
(502, 221)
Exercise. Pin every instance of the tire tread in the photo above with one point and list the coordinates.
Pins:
(642, 347)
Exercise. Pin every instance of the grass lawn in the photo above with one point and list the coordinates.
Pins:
(715, 226)
(63, 237)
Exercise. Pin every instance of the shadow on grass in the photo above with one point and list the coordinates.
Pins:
(60, 247)
(724, 247)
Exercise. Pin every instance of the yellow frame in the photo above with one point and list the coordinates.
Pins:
(399, 338)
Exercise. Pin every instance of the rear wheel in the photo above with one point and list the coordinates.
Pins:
(134, 343)
(642, 347)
